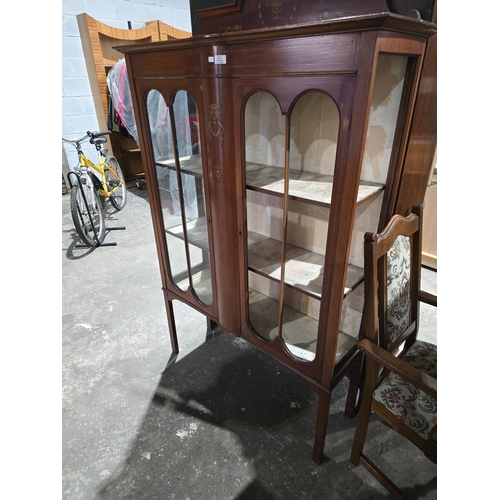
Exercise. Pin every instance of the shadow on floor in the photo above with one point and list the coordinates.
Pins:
(229, 422)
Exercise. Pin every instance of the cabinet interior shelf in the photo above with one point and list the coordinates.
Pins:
(299, 329)
(303, 186)
(190, 165)
(303, 268)
(202, 283)
(197, 232)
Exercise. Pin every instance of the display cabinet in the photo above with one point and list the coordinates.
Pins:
(268, 153)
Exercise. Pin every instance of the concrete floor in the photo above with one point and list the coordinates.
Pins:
(221, 421)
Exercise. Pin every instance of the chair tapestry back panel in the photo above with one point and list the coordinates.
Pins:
(398, 288)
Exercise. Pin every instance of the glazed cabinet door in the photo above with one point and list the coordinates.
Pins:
(179, 190)
(293, 142)
(299, 200)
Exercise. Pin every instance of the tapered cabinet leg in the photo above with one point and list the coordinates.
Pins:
(211, 324)
(321, 425)
(171, 326)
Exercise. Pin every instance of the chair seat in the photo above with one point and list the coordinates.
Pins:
(415, 407)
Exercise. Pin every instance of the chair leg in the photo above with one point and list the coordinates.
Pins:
(171, 326)
(355, 386)
(361, 426)
(321, 425)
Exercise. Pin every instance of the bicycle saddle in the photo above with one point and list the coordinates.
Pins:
(98, 140)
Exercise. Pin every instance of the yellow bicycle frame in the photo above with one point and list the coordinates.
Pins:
(101, 168)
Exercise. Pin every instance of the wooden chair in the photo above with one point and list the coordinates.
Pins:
(400, 381)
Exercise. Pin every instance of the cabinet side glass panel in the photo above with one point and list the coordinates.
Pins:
(178, 169)
(265, 162)
(193, 194)
(166, 175)
(384, 109)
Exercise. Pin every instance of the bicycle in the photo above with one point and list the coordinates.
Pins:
(88, 193)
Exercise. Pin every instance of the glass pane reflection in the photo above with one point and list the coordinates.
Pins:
(265, 172)
(179, 173)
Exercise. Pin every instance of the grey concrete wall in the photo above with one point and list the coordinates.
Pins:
(78, 112)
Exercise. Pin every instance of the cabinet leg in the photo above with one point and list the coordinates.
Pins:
(211, 324)
(321, 425)
(171, 326)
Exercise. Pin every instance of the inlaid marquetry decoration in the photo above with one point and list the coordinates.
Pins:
(328, 14)
(274, 10)
(218, 171)
(230, 29)
(216, 127)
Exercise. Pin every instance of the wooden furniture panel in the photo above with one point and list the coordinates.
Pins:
(429, 224)
(297, 159)
(180, 62)
(100, 43)
(293, 56)
(245, 15)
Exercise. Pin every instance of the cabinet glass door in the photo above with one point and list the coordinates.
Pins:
(178, 168)
(290, 161)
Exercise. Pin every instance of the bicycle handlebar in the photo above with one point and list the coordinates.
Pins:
(98, 134)
(89, 135)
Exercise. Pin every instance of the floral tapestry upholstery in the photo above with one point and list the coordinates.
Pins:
(415, 407)
(398, 288)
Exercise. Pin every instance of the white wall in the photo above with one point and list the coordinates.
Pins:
(78, 112)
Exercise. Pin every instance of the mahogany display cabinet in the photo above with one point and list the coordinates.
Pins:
(268, 153)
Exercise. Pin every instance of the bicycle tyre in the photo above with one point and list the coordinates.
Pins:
(119, 198)
(91, 236)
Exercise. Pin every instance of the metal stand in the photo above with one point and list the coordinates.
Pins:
(99, 244)
(107, 229)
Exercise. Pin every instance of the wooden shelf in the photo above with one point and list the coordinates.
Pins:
(303, 268)
(190, 165)
(300, 330)
(303, 186)
(202, 282)
(197, 232)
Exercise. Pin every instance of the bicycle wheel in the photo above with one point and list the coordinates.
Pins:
(118, 198)
(87, 217)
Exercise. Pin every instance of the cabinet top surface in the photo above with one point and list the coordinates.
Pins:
(383, 22)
